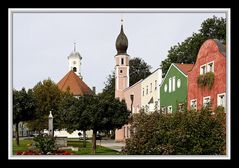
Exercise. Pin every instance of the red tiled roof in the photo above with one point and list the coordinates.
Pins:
(185, 68)
(76, 85)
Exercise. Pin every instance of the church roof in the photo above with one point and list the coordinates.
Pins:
(75, 84)
(185, 68)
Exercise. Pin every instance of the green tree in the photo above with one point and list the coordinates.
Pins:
(98, 113)
(138, 69)
(73, 114)
(186, 51)
(48, 97)
(24, 106)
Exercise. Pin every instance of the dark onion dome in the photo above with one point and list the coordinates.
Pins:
(121, 42)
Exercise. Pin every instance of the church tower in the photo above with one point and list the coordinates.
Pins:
(74, 62)
(121, 64)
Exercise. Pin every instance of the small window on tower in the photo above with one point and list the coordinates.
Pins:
(122, 61)
(121, 71)
(74, 69)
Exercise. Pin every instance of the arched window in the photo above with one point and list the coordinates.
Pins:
(74, 69)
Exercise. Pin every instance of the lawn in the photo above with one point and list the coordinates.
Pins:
(100, 150)
(23, 145)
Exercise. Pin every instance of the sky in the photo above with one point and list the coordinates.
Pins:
(43, 41)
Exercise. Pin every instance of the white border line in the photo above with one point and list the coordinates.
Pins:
(118, 10)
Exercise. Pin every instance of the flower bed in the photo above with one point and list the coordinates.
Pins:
(30, 152)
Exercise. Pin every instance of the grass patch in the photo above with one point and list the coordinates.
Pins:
(100, 150)
(24, 144)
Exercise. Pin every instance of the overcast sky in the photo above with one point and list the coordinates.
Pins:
(43, 41)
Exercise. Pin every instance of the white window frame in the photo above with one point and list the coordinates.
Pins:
(204, 98)
(174, 82)
(201, 69)
(218, 100)
(191, 103)
(169, 108)
(208, 66)
(169, 85)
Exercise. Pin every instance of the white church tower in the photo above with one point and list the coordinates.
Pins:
(74, 62)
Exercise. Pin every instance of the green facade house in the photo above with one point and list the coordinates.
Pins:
(174, 88)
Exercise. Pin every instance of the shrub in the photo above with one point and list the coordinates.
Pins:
(45, 143)
(179, 133)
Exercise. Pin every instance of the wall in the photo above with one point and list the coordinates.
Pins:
(145, 97)
(208, 52)
(177, 96)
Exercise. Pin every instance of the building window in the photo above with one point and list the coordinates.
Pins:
(206, 101)
(202, 69)
(124, 132)
(165, 88)
(193, 104)
(169, 110)
(170, 83)
(155, 88)
(122, 61)
(173, 83)
(163, 109)
(180, 107)
(121, 71)
(143, 91)
(74, 69)
(221, 100)
(147, 90)
(178, 83)
(210, 66)
(151, 87)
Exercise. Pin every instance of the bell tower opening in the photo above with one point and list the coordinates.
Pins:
(74, 69)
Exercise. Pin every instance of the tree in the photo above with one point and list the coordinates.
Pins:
(73, 114)
(48, 97)
(24, 106)
(186, 51)
(98, 113)
(138, 69)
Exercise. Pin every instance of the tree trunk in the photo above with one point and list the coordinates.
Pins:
(84, 137)
(17, 134)
(94, 142)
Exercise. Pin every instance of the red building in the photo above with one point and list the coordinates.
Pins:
(207, 80)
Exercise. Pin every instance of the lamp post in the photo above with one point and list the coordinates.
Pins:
(50, 124)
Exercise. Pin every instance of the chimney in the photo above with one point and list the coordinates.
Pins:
(93, 89)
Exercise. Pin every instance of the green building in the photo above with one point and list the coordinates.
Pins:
(174, 87)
